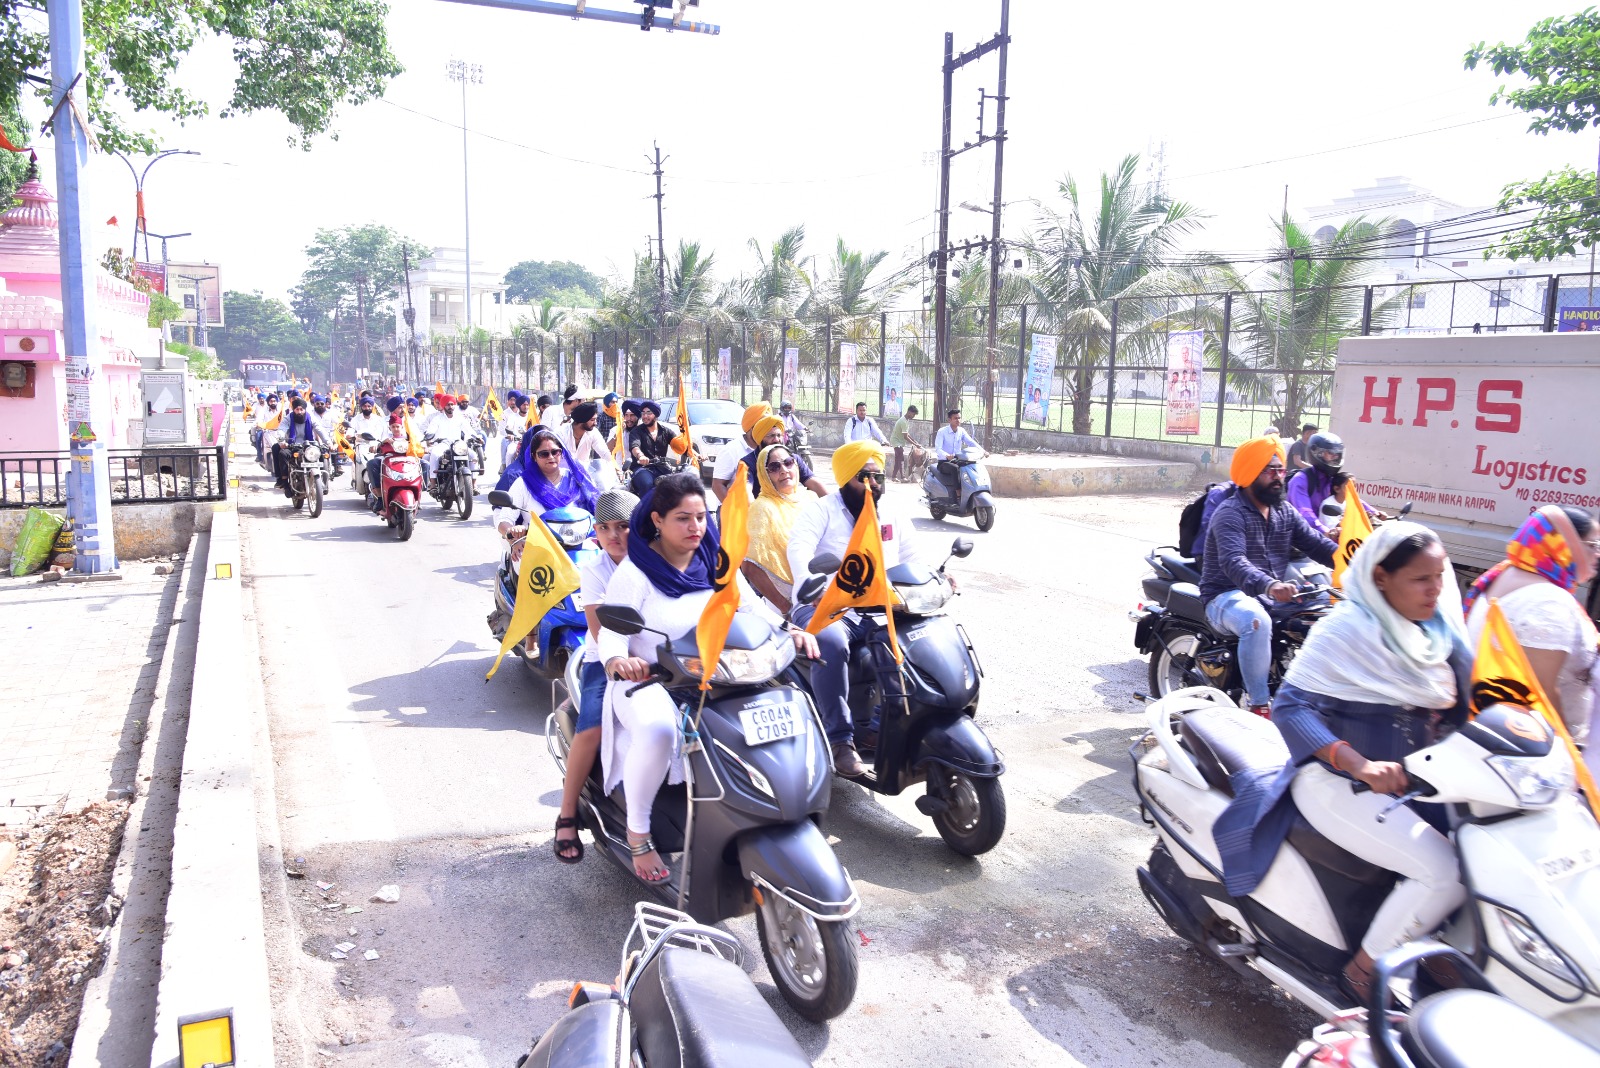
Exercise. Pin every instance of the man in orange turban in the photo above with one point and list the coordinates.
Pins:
(1249, 540)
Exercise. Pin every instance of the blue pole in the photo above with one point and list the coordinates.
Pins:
(88, 484)
(629, 18)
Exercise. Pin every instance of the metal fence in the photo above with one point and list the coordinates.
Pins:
(137, 476)
(1268, 355)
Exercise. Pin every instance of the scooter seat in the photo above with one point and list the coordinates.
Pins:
(696, 1010)
(1226, 741)
(1476, 1029)
(1181, 568)
(1183, 601)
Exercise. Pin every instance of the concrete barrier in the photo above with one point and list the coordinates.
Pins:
(214, 954)
(144, 531)
(1053, 475)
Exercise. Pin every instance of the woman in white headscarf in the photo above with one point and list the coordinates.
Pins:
(1375, 681)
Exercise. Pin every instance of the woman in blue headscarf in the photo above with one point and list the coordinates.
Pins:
(667, 579)
(548, 479)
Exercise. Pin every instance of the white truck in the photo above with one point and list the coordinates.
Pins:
(1474, 430)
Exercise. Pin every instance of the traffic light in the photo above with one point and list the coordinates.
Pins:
(647, 17)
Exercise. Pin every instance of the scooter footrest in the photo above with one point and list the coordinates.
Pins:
(1233, 949)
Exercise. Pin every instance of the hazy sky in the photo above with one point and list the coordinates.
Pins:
(820, 112)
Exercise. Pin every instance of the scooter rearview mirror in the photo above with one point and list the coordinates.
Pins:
(811, 589)
(961, 548)
(499, 499)
(1405, 509)
(824, 564)
(620, 619)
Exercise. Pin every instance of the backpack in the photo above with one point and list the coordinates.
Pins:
(1196, 516)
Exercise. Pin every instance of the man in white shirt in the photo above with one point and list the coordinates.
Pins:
(563, 429)
(734, 451)
(368, 421)
(587, 442)
(512, 424)
(951, 444)
(826, 527)
(446, 426)
(860, 428)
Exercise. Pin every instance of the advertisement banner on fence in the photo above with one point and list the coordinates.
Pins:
(847, 377)
(655, 371)
(1041, 377)
(622, 371)
(894, 373)
(1583, 319)
(1185, 350)
(791, 375)
(725, 374)
(599, 369)
(697, 373)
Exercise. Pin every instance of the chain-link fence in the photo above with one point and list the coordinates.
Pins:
(1262, 358)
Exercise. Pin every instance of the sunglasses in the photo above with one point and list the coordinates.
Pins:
(874, 477)
(780, 465)
(545, 454)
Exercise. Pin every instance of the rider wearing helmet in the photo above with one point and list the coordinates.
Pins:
(791, 422)
(1311, 486)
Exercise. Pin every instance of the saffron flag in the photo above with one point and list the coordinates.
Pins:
(615, 412)
(862, 581)
(492, 405)
(683, 442)
(1501, 674)
(1354, 529)
(6, 143)
(413, 442)
(272, 424)
(717, 616)
(545, 578)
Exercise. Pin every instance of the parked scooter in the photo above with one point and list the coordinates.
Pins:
(927, 708)
(972, 490)
(680, 1000)
(561, 630)
(1466, 1026)
(1528, 850)
(400, 495)
(740, 833)
(306, 474)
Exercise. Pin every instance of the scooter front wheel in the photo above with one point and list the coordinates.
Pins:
(984, 517)
(403, 522)
(975, 818)
(812, 961)
(936, 510)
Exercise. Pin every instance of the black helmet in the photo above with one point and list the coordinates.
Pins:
(1326, 451)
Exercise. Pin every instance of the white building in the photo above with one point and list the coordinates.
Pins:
(439, 294)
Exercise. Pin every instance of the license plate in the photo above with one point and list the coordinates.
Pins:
(1565, 864)
(770, 723)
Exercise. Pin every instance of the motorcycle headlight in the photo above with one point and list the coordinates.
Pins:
(925, 599)
(746, 667)
(1535, 782)
(1533, 948)
(571, 534)
(313, 453)
(459, 448)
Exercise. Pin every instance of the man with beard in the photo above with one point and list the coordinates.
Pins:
(648, 444)
(825, 527)
(1249, 540)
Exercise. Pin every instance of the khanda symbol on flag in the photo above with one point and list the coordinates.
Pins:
(1501, 674)
(1354, 528)
(862, 580)
(733, 540)
(545, 577)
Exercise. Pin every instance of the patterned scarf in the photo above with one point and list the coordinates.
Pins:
(1542, 545)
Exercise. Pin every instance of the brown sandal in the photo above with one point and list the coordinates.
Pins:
(568, 850)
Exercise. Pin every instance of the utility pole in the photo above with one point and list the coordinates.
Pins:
(994, 237)
(464, 72)
(661, 249)
(88, 482)
(410, 315)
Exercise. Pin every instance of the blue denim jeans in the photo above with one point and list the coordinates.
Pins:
(1245, 617)
(830, 677)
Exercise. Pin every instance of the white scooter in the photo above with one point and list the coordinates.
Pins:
(1528, 848)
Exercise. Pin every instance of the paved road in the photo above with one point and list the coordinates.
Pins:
(396, 763)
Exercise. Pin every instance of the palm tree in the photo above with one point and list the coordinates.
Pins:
(850, 300)
(1290, 329)
(779, 289)
(1123, 256)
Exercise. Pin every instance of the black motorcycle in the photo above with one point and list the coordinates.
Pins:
(740, 834)
(681, 999)
(1185, 651)
(453, 485)
(307, 471)
(927, 707)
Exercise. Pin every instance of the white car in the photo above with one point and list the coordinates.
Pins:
(713, 427)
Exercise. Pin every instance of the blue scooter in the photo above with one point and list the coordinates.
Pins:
(561, 632)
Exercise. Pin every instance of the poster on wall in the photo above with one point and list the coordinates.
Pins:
(655, 371)
(894, 373)
(1581, 319)
(1041, 377)
(1185, 351)
(697, 373)
(847, 377)
(791, 375)
(725, 374)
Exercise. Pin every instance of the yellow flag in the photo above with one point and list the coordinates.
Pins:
(717, 616)
(413, 442)
(683, 442)
(341, 442)
(545, 576)
(272, 424)
(492, 405)
(1354, 529)
(1501, 673)
(862, 581)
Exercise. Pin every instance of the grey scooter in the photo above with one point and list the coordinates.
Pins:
(972, 490)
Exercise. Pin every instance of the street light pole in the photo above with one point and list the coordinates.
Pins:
(139, 223)
(461, 71)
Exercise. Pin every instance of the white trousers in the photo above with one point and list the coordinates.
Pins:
(650, 722)
(1430, 885)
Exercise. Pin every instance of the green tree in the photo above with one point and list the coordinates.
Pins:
(260, 327)
(351, 275)
(1561, 61)
(163, 309)
(1120, 255)
(15, 167)
(303, 58)
(569, 284)
(778, 290)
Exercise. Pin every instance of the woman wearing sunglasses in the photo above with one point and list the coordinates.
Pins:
(772, 516)
(549, 480)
